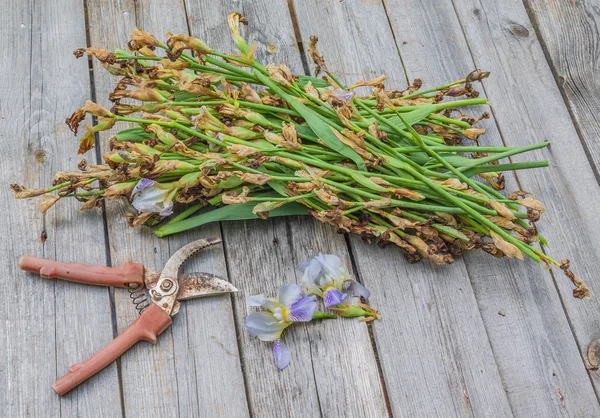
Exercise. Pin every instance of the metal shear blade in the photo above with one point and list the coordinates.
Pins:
(196, 285)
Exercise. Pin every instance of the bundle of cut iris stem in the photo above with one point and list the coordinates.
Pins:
(247, 140)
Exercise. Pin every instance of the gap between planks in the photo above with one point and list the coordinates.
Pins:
(305, 65)
(111, 290)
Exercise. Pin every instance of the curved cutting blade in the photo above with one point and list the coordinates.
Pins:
(196, 285)
(181, 255)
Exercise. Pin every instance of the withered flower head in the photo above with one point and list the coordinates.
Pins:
(311, 91)
(473, 133)
(125, 109)
(373, 82)
(532, 204)
(255, 178)
(189, 42)
(90, 203)
(581, 290)
(502, 209)
(290, 139)
(477, 75)
(262, 209)
(234, 19)
(118, 190)
(314, 54)
(206, 121)
(143, 94)
(230, 111)
(102, 55)
(377, 132)
(140, 38)
(48, 200)
(24, 193)
(92, 108)
(510, 250)
(233, 198)
(243, 150)
(281, 74)
(168, 66)
(333, 217)
(327, 195)
(248, 94)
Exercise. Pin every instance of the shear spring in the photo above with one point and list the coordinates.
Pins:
(139, 297)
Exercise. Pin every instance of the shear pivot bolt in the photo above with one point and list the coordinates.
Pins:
(166, 285)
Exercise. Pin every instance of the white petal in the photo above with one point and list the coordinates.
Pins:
(289, 294)
(256, 300)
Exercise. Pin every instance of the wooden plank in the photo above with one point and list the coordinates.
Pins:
(432, 343)
(534, 335)
(568, 32)
(498, 43)
(569, 190)
(195, 369)
(28, 316)
(44, 332)
(324, 378)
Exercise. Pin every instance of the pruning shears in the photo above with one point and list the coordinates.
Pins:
(155, 295)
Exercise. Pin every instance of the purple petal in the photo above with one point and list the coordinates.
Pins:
(303, 310)
(282, 354)
(289, 294)
(264, 326)
(333, 297)
(356, 289)
(344, 95)
(256, 300)
(141, 185)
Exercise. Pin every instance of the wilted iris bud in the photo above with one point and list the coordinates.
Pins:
(190, 42)
(234, 19)
(118, 190)
(206, 121)
(143, 94)
(360, 310)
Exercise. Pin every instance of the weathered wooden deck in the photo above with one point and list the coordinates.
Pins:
(442, 348)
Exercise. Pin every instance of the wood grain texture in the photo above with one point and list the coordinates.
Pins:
(194, 370)
(569, 32)
(43, 331)
(569, 190)
(264, 255)
(432, 343)
(533, 344)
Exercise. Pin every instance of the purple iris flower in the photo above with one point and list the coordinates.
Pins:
(152, 197)
(290, 306)
(325, 276)
(344, 95)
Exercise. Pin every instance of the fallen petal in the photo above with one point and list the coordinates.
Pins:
(282, 354)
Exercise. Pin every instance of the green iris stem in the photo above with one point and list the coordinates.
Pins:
(504, 154)
(282, 199)
(323, 315)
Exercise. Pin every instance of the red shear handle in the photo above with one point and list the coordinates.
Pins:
(151, 323)
(120, 276)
